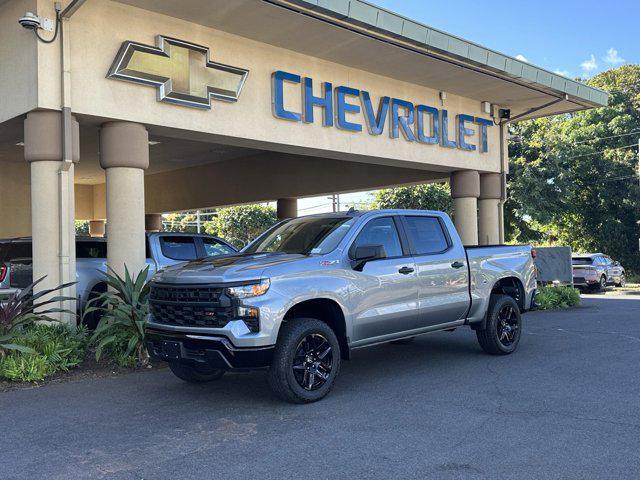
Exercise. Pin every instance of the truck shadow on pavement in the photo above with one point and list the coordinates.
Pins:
(371, 370)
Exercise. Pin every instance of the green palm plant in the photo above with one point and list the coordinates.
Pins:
(20, 311)
(124, 308)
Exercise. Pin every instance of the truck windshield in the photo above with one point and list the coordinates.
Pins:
(305, 235)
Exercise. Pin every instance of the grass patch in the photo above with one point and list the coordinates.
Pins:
(553, 298)
(54, 348)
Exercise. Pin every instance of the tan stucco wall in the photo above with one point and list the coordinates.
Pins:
(248, 122)
(268, 177)
(15, 200)
(84, 202)
(18, 61)
(91, 202)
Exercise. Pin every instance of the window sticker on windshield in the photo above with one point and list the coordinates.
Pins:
(315, 251)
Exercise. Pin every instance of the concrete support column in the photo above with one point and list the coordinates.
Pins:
(489, 208)
(153, 222)
(465, 190)
(124, 154)
(287, 208)
(96, 228)
(52, 204)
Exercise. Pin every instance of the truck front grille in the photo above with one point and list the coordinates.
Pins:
(190, 306)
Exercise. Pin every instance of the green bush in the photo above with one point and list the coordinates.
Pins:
(551, 298)
(24, 367)
(50, 349)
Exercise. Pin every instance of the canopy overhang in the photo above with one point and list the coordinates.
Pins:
(363, 36)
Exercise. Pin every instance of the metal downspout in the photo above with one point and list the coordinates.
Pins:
(65, 183)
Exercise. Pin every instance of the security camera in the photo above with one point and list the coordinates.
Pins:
(30, 21)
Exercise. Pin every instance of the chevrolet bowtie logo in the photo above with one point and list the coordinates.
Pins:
(182, 72)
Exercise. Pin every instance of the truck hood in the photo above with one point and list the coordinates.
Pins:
(225, 268)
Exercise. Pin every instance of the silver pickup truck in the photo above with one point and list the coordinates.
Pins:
(163, 249)
(301, 297)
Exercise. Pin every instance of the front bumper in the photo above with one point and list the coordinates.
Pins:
(211, 350)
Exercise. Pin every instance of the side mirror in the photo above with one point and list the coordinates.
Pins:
(616, 264)
(367, 253)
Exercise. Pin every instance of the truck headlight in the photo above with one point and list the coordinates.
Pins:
(253, 290)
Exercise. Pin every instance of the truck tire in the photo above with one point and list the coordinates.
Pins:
(195, 374)
(501, 333)
(306, 361)
(602, 285)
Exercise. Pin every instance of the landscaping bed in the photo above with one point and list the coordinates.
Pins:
(86, 370)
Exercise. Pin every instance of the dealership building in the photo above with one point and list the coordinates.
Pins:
(143, 107)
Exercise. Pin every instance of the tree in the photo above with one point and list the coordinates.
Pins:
(239, 225)
(573, 177)
(180, 222)
(430, 196)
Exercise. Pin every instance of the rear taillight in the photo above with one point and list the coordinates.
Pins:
(3, 272)
(534, 254)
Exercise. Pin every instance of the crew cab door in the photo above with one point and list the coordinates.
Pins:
(386, 294)
(442, 270)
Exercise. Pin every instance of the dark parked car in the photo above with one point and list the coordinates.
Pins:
(594, 271)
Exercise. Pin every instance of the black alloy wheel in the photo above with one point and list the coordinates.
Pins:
(313, 361)
(306, 361)
(507, 325)
(502, 329)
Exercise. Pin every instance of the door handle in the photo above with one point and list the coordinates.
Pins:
(457, 264)
(405, 270)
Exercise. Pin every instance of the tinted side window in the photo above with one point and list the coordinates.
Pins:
(91, 249)
(427, 234)
(178, 248)
(380, 231)
(11, 250)
(213, 247)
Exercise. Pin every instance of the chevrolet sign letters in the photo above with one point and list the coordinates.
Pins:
(418, 123)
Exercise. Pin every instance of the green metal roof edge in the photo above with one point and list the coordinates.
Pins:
(365, 15)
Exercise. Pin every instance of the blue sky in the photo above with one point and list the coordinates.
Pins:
(574, 38)
(568, 36)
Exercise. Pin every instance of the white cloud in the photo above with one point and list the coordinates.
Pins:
(589, 64)
(522, 58)
(613, 58)
(564, 73)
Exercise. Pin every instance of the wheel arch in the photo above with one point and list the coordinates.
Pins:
(513, 287)
(326, 310)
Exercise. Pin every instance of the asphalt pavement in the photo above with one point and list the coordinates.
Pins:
(566, 405)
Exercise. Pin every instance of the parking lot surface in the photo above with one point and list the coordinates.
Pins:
(565, 405)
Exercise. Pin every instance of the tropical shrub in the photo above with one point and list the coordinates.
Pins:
(20, 311)
(24, 367)
(551, 298)
(124, 308)
(51, 348)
